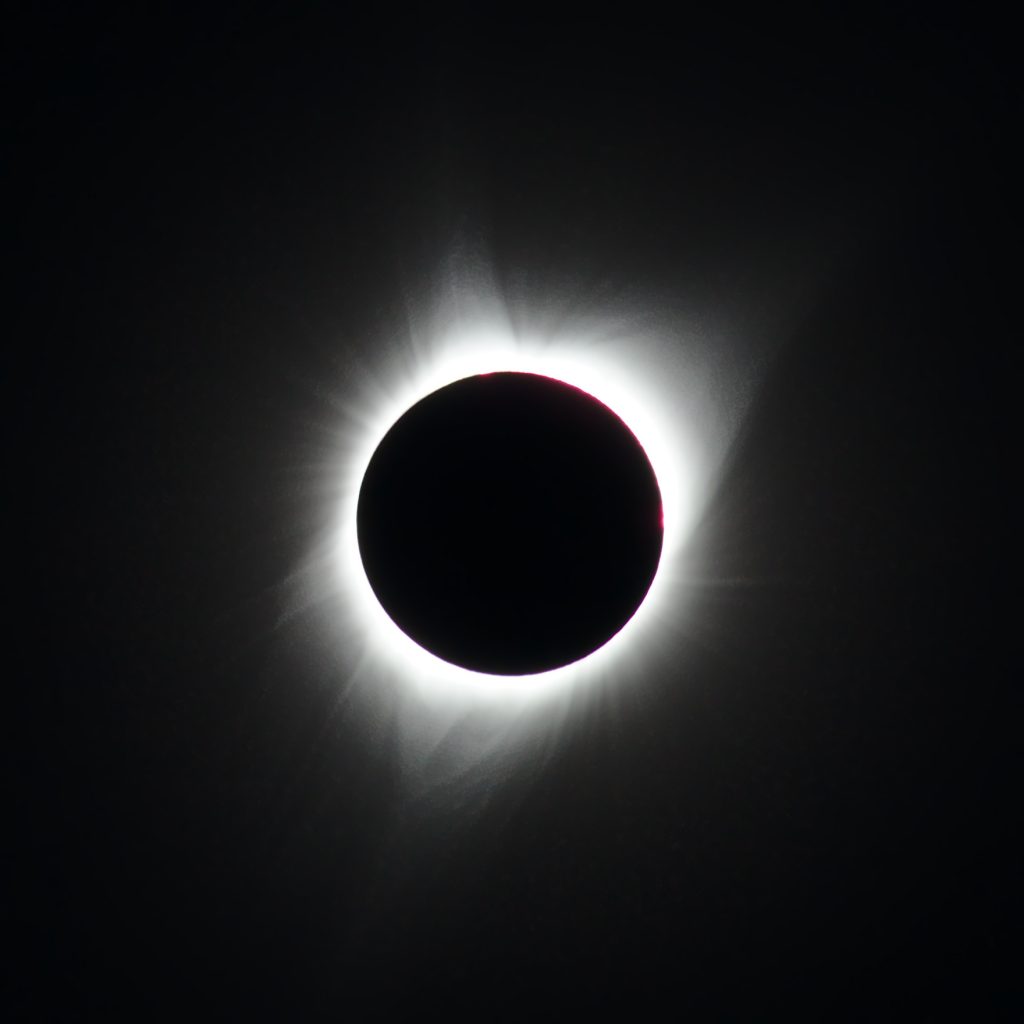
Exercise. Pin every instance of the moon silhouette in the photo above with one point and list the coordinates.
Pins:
(510, 523)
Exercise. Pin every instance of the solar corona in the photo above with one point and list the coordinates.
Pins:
(512, 512)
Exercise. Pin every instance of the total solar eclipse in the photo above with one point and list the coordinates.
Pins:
(509, 523)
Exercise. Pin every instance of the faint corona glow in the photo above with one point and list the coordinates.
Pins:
(629, 376)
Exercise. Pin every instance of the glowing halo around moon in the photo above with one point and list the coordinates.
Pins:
(643, 383)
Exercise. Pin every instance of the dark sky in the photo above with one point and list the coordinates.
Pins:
(813, 812)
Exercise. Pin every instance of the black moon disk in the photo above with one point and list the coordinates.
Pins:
(510, 523)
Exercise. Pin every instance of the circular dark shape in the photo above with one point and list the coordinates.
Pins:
(510, 523)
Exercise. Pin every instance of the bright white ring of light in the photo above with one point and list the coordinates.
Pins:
(646, 400)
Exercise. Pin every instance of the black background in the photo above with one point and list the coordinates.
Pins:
(815, 815)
